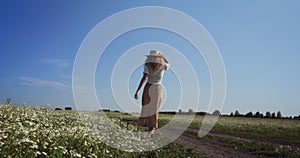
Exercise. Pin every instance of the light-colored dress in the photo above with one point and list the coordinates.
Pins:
(152, 97)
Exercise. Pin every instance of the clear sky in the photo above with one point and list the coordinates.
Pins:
(258, 40)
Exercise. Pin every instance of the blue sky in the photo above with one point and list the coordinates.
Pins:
(258, 40)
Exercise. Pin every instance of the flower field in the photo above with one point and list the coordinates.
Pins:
(40, 132)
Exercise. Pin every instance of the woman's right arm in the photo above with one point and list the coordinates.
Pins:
(143, 80)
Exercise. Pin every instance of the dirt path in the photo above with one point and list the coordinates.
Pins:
(243, 137)
(274, 142)
(214, 148)
(210, 148)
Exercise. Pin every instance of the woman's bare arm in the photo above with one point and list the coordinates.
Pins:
(167, 64)
(143, 80)
(165, 59)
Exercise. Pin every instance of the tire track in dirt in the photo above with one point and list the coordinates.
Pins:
(274, 142)
(215, 148)
(243, 137)
(206, 146)
(210, 148)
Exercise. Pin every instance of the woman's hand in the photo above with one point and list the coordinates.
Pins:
(136, 95)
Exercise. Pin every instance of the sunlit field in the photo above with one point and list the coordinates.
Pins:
(41, 132)
(266, 137)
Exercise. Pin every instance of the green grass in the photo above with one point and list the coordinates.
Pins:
(266, 150)
(282, 129)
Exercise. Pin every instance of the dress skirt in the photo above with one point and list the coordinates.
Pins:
(151, 100)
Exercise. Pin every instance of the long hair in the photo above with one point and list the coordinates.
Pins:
(154, 63)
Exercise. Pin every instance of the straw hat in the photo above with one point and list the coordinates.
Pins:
(154, 53)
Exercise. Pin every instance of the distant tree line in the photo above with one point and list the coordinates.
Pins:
(257, 114)
(237, 114)
(201, 113)
(215, 113)
(268, 114)
(8, 101)
(104, 110)
(66, 108)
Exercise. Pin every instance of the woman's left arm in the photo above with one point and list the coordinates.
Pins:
(167, 64)
(165, 59)
(143, 80)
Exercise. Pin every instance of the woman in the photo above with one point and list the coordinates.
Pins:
(154, 67)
